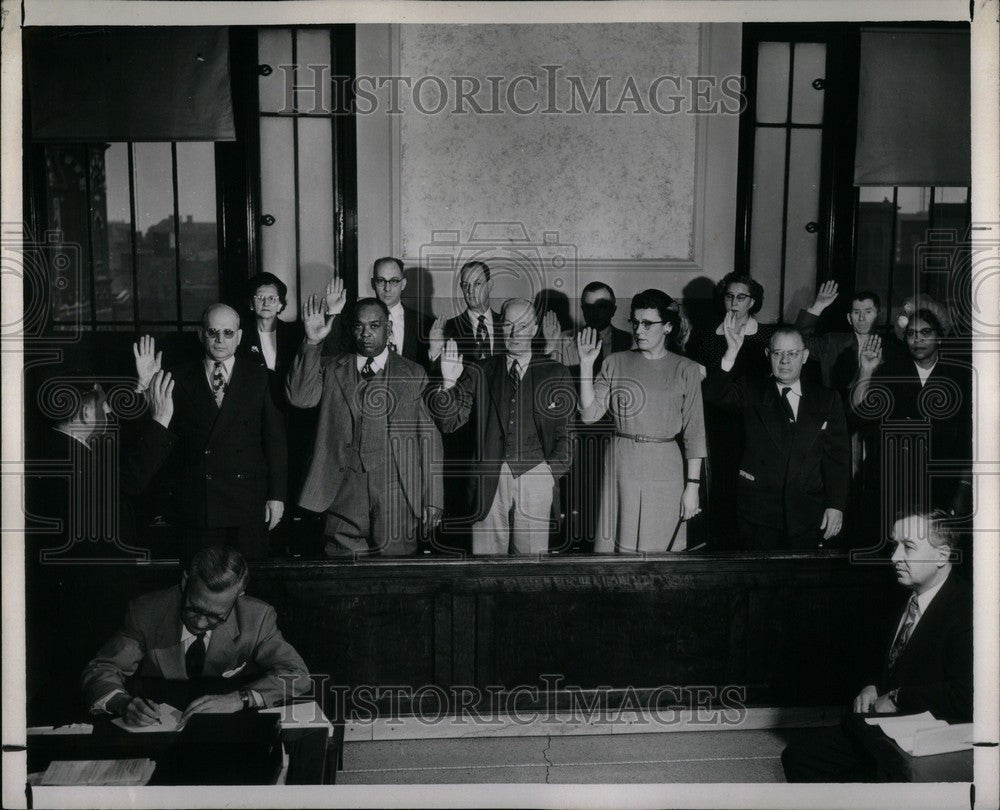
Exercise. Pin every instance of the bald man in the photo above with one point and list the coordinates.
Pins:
(230, 437)
(519, 405)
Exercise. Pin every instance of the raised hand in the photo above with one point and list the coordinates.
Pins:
(734, 333)
(826, 295)
(336, 296)
(451, 363)
(871, 354)
(436, 337)
(315, 321)
(588, 345)
(273, 510)
(550, 331)
(160, 395)
(147, 360)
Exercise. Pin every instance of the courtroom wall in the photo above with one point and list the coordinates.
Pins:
(579, 152)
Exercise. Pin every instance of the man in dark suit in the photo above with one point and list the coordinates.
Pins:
(519, 406)
(598, 305)
(375, 468)
(208, 633)
(476, 330)
(231, 439)
(927, 663)
(794, 472)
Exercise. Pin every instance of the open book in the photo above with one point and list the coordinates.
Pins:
(99, 772)
(921, 735)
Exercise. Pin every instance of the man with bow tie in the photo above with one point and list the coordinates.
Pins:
(927, 660)
(204, 644)
(375, 470)
(230, 437)
(519, 406)
(794, 473)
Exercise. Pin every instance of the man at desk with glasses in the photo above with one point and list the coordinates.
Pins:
(208, 633)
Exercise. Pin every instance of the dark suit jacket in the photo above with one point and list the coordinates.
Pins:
(460, 330)
(934, 670)
(247, 647)
(475, 400)
(233, 458)
(414, 441)
(287, 339)
(788, 476)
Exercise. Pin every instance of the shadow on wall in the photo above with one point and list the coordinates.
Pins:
(702, 309)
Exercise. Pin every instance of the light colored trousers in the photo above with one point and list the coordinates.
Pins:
(520, 516)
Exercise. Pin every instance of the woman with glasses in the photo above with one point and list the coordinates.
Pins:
(652, 465)
(740, 297)
(272, 343)
(898, 397)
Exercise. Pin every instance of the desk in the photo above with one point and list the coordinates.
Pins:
(895, 765)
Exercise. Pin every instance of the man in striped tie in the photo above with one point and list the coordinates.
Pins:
(927, 663)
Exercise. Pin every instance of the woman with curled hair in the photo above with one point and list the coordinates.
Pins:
(652, 465)
(741, 296)
(920, 388)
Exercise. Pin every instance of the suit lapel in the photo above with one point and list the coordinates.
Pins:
(809, 419)
(498, 368)
(345, 376)
(167, 649)
(410, 337)
(220, 646)
(772, 414)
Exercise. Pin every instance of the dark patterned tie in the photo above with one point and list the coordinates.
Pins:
(368, 372)
(482, 339)
(194, 658)
(218, 383)
(515, 375)
(785, 391)
(903, 636)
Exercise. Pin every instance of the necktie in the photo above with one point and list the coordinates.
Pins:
(903, 637)
(482, 339)
(218, 382)
(194, 658)
(515, 375)
(368, 372)
(785, 391)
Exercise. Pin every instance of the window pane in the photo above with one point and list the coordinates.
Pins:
(113, 239)
(277, 198)
(803, 208)
(772, 82)
(313, 73)
(874, 241)
(274, 48)
(154, 211)
(807, 101)
(913, 220)
(199, 233)
(768, 204)
(315, 218)
(67, 216)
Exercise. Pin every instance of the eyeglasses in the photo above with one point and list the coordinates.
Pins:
(387, 282)
(926, 332)
(266, 299)
(475, 285)
(791, 354)
(228, 334)
(738, 297)
(214, 618)
(636, 325)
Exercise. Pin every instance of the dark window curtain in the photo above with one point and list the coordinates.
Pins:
(913, 109)
(129, 84)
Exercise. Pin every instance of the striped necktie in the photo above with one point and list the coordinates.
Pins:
(903, 636)
(218, 382)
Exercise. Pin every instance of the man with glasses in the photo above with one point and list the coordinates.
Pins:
(519, 406)
(205, 641)
(230, 439)
(794, 473)
(375, 470)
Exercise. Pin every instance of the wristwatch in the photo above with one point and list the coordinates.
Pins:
(245, 697)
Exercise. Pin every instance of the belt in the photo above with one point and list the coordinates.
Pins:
(639, 437)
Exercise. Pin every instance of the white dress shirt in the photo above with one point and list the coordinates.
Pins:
(378, 362)
(227, 369)
(269, 347)
(793, 396)
(487, 322)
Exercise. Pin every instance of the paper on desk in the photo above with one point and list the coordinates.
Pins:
(169, 721)
(301, 715)
(72, 728)
(99, 772)
(922, 735)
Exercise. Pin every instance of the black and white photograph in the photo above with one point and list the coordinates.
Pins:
(500, 404)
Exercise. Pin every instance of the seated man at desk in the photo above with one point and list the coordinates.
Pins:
(927, 665)
(207, 628)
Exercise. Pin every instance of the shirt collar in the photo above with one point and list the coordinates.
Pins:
(186, 634)
(924, 599)
(795, 386)
(396, 309)
(378, 362)
(751, 328)
(227, 364)
(522, 364)
(474, 319)
(74, 436)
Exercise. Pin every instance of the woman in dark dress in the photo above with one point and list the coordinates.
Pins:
(272, 343)
(743, 296)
